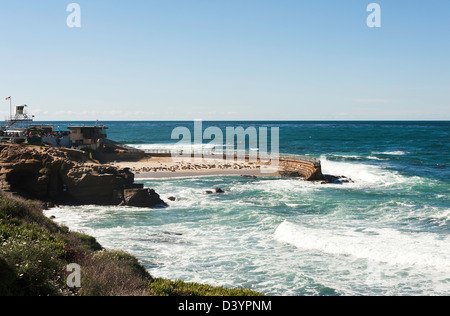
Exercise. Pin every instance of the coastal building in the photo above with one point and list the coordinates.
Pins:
(87, 136)
(45, 129)
(18, 129)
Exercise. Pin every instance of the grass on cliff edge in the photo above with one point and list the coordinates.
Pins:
(35, 252)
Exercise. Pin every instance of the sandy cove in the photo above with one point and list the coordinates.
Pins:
(167, 167)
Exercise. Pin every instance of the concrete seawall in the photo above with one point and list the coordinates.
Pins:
(293, 166)
(309, 170)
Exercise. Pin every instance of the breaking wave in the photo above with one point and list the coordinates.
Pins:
(382, 245)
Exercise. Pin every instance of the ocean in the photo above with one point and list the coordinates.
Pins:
(386, 233)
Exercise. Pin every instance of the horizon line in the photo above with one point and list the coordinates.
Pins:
(244, 120)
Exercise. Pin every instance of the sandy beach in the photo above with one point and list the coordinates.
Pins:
(167, 167)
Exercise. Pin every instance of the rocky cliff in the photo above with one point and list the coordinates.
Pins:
(64, 176)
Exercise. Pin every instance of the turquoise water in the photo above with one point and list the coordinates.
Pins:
(387, 233)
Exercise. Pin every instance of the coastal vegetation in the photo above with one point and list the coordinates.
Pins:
(35, 253)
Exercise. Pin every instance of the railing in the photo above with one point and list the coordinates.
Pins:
(300, 157)
(215, 153)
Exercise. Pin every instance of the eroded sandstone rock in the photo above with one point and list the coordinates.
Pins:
(61, 175)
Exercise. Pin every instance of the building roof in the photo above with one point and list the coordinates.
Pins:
(93, 127)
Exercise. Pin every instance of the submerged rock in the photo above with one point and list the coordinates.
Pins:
(216, 191)
(336, 179)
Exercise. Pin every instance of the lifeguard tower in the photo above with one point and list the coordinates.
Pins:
(21, 119)
(16, 126)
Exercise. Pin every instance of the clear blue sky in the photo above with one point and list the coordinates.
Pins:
(226, 60)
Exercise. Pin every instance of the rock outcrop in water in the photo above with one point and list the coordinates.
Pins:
(63, 176)
(336, 179)
(143, 198)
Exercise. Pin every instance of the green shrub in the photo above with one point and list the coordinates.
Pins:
(88, 242)
(8, 280)
(163, 287)
(34, 253)
(123, 260)
(113, 273)
(29, 249)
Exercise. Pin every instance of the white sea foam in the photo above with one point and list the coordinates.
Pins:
(392, 153)
(356, 157)
(375, 158)
(382, 245)
(439, 217)
(349, 156)
(278, 186)
(363, 175)
(234, 239)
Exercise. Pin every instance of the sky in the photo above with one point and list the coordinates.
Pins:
(226, 60)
